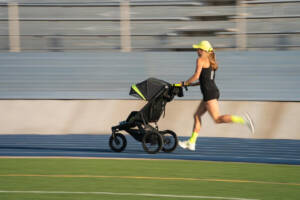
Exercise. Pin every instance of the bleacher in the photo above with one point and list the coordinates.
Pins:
(155, 25)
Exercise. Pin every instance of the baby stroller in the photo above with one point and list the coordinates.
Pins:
(158, 93)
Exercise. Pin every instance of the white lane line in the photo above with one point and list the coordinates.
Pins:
(127, 194)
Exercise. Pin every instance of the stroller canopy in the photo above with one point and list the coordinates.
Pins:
(147, 89)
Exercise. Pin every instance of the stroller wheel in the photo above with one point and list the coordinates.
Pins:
(118, 142)
(152, 142)
(170, 140)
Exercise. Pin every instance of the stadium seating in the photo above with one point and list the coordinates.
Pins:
(164, 25)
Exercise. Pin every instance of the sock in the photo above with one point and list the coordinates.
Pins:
(193, 138)
(237, 119)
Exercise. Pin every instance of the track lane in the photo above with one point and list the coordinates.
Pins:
(96, 146)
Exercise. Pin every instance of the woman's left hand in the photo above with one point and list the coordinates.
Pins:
(178, 84)
(181, 84)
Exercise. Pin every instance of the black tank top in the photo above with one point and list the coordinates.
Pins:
(207, 80)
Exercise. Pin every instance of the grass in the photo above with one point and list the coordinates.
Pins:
(190, 178)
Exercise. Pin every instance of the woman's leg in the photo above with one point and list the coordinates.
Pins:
(197, 116)
(190, 144)
(212, 107)
(197, 121)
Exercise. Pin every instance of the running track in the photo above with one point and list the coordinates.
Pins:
(210, 149)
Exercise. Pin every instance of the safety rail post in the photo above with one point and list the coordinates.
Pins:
(125, 33)
(241, 23)
(14, 27)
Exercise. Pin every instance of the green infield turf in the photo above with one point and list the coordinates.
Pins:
(86, 179)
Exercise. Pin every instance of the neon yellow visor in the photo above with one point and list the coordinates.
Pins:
(204, 45)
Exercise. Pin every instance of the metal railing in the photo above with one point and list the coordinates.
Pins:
(240, 17)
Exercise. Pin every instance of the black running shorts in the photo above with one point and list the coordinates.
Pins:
(210, 94)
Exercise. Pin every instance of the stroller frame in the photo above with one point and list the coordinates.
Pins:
(138, 125)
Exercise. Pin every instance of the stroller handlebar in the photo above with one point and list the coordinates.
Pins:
(186, 86)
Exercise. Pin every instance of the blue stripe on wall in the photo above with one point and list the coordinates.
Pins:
(253, 75)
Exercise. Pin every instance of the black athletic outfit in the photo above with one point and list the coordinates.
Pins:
(208, 86)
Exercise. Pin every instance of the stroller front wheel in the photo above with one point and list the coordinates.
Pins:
(152, 142)
(117, 142)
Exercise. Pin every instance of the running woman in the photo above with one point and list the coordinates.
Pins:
(205, 72)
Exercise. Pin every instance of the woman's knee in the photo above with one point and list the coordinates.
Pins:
(218, 120)
(222, 119)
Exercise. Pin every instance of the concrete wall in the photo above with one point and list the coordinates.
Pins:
(272, 119)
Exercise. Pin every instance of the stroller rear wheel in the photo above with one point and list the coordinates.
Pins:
(117, 142)
(170, 140)
(152, 142)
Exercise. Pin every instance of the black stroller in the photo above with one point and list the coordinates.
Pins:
(158, 93)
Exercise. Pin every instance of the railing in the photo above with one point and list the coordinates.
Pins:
(129, 28)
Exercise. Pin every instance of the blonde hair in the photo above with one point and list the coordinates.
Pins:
(212, 60)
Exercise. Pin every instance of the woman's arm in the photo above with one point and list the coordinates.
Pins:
(196, 74)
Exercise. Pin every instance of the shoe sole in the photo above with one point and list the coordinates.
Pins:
(250, 122)
(182, 146)
(191, 149)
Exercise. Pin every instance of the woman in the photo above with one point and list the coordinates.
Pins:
(206, 68)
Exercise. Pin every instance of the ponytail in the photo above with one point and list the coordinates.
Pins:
(212, 60)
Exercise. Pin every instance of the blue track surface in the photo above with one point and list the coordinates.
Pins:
(211, 149)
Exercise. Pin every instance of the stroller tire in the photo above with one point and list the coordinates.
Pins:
(170, 140)
(118, 142)
(152, 142)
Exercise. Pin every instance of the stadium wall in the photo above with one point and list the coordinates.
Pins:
(70, 93)
(276, 120)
